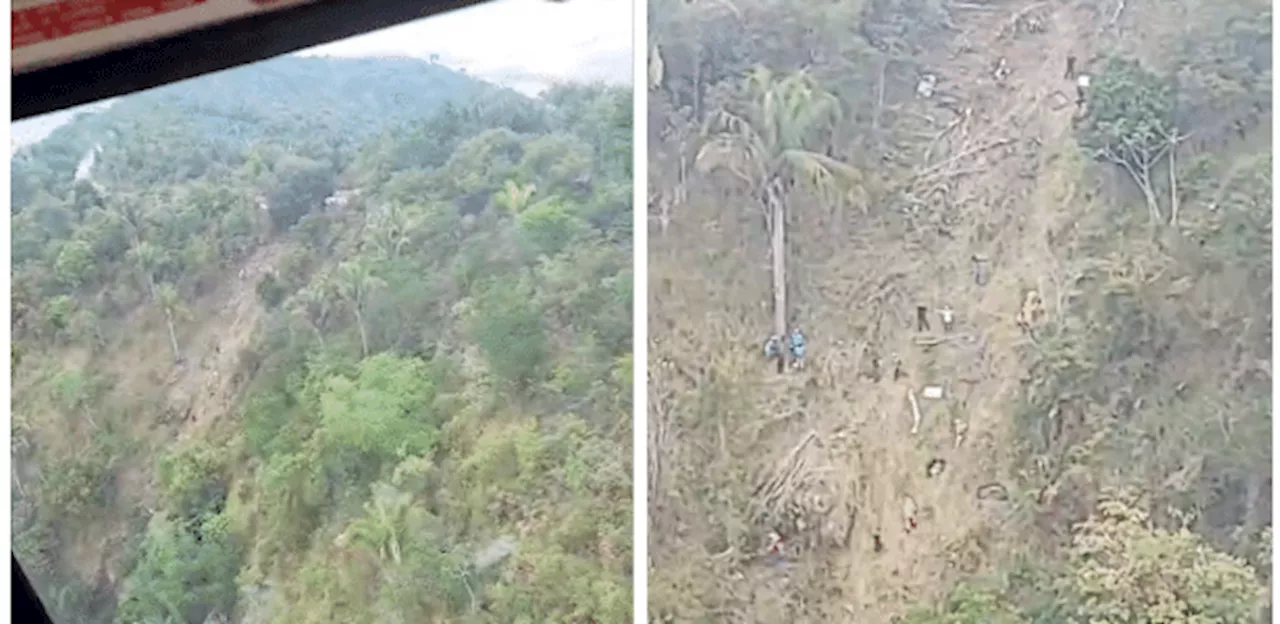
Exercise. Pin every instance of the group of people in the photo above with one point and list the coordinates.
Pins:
(795, 345)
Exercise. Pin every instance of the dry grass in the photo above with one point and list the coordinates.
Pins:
(157, 395)
(826, 456)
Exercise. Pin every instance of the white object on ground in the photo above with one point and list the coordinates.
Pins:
(927, 84)
(932, 392)
(775, 543)
(909, 511)
(1083, 81)
(936, 467)
(961, 428)
(915, 412)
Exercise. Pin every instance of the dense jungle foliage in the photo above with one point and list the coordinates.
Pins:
(323, 340)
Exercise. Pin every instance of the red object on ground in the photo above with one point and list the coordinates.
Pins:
(47, 21)
(912, 522)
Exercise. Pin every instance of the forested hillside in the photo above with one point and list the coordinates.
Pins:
(1037, 376)
(327, 340)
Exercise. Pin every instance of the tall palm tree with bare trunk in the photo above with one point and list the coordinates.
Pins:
(774, 142)
(355, 281)
(170, 303)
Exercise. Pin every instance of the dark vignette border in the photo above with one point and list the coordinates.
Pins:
(221, 46)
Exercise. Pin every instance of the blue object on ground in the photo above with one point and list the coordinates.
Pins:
(797, 344)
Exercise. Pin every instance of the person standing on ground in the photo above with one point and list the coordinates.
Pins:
(797, 347)
(948, 318)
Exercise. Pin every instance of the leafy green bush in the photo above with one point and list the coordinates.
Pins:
(301, 186)
(546, 228)
(78, 487)
(391, 351)
(186, 572)
(271, 292)
(193, 480)
(968, 605)
(384, 413)
(509, 329)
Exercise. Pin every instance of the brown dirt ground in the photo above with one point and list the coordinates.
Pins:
(857, 280)
(205, 387)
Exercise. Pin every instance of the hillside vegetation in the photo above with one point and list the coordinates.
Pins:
(1089, 438)
(327, 340)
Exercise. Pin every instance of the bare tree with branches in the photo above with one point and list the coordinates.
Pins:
(1130, 124)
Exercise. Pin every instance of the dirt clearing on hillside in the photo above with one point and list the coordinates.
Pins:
(190, 399)
(874, 518)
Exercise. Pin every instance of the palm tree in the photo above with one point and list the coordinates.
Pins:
(390, 229)
(147, 257)
(515, 197)
(312, 305)
(385, 524)
(773, 146)
(169, 301)
(130, 209)
(355, 281)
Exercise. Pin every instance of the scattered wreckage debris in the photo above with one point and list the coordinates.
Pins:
(1032, 20)
(928, 392)
(1001, 70)
(910, 513)
(981, 269)
(959, 429)
(776, 544)
(1031, 312)
(915, 412)
(1082, 86)
(935, 467)
(933, 341)
(1032, 25)
(927, 85)
(804, 502)
(993, 491)
(1058, 100)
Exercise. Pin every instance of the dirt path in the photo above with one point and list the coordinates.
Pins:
(1002, 181)
(999, 183)
(1007, 204)
(206, 386)
(196, 392)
